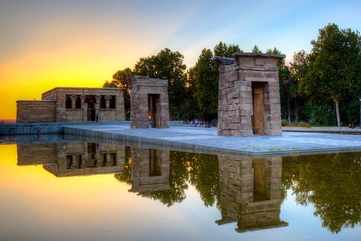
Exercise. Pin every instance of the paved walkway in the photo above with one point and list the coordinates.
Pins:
(206, 139)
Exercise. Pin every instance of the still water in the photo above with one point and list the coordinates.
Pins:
(54, 189)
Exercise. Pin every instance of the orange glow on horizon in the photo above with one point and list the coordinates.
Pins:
(86, 56)
(28, 76)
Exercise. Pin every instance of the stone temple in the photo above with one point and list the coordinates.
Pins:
(73, 105)
(149, 103)
(250, 191)
(249, 98)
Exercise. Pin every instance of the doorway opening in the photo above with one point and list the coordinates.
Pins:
(261, 180)
(258, 97)
(91, 112)
(153, 110)
(92, 150)
(155, 163)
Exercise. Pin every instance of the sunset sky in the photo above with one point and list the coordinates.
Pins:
(52, 43)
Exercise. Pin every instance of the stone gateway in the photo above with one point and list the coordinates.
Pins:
(149, 103)
(249, 98)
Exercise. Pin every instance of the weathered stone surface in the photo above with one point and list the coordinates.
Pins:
(250, 191)
(142, 89)
(35, 111)
(74, 105)
(150, 169)
(238, 111)
(74, 159)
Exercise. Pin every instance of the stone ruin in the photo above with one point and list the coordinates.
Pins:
(149, 103)
(250, 192)
(249, 98)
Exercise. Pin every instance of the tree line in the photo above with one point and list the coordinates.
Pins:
(319, 87)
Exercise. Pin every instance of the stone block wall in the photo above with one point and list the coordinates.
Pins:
(142, 87)
(238, 182)
(35, 111)
(102, 113)
(108, 106)
(236, 110)
(104, 158)
(142, 178)
(32, 154)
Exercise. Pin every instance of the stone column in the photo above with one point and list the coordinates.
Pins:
(97, 108)
(276, 178)
(107, 101)
(73, 100)
(84, 108)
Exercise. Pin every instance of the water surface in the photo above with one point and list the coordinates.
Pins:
(56, 189)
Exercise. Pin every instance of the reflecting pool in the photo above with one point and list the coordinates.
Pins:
(57, 189)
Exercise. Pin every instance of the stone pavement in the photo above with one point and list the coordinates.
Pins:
(206, 139)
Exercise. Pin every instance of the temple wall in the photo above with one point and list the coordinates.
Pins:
(35, 111)
(236, 100)
(250, 191)
(141, 88)
(30, 154)
(53, 106)
(143, 178)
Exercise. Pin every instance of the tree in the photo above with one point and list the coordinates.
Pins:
(226, 50)
(203, 79)
(122, 79)
(331, 183)
(287, 84)
(206, 85)
(204, 175)
(256, 50)
(168, 65)
(333, 65)
(298, 69)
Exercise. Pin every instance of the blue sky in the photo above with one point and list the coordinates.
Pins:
(187, 26)
(48, 43)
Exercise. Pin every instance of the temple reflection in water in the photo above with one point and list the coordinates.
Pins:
(248, 189)
(73, 159)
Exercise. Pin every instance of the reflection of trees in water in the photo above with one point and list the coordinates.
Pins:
(126, 174)
(177, 181)
(198, 169)
(332, 183)
(203, 174)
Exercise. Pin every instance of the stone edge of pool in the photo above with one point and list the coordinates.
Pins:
(196, 147)
(91, 130)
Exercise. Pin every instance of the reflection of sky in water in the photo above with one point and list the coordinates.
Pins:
(36, 205)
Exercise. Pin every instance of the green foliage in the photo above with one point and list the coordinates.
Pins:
(226, 50)
(331, 183)
(168, 65)
(203, 79)
(204, 175)
(256, 50)
(206, 85)
(177, 181)
(311, 86)
(334, 63)
(122, 79)
(328, 73)
(320, 114)
(199, 169)
(328, 76)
